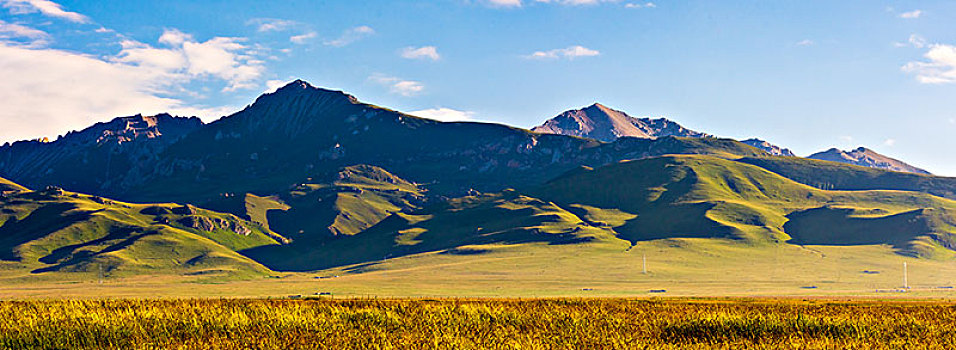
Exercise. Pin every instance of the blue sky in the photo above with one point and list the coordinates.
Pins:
(808, 75)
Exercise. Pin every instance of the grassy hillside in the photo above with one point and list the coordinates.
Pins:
(449, 228)
(709, 197)
(56, 231)
(837, 176)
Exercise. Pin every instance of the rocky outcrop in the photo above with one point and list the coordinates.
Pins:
(204, 223)
(605, 124)
(769, 147)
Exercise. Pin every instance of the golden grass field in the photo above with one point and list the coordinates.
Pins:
(475, 324)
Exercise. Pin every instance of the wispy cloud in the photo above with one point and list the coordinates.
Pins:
(444, 114)
(272, 24)
(889, 142)
(805, 42)
(635, 5)
(398, 86)
(351, 35)
(46, 7)
(303, 38)
(519, 3)
(938, 68)
(20, 35)
(575, 2)
(914, 40)
(424, 52)
(911, 14)
(570, 53)
(503, 3)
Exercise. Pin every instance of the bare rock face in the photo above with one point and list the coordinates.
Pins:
(866, 157)
(605, 124)
(769, 147)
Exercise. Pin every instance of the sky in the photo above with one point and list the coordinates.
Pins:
(808, 75)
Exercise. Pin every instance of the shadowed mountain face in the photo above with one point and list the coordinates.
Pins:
(96, 159)
(866, 157)
(605, 124)
(769, 147)
(301, 132)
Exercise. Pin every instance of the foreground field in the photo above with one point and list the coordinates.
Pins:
(469, 324)
(678, 267)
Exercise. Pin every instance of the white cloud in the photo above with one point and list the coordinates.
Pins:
(185, 58)
(940, 67)
(19, 35)
(351, 35)
(48, 92)
(912, 14)
(805, 42)
(424, 52)
(271, 24)
(273, 85)
(889, 142)
(46, 7)
(303, 38)
(634, 5)
(570, 53)
(395, 85)
(444, 114)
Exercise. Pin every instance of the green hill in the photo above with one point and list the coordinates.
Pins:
(505, 218)
(57, 231)
(709, 197)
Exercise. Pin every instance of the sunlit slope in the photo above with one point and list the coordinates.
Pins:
(57, 231)
(709, 197)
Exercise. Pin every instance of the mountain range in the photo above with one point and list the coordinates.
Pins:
(307, 178)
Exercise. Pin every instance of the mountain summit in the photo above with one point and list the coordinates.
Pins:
(605, 124)
(868, 158)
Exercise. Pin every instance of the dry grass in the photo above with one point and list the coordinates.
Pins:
(474, 324)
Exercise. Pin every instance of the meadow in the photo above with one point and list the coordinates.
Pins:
(475, 324)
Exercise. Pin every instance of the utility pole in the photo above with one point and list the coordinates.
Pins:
(644, 265)
(906, 284)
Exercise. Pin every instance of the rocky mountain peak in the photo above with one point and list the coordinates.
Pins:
(603, 123)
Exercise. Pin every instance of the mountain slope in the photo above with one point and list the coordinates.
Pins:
(866, 157)
(57, 231)
(605, 124)
(840, 176)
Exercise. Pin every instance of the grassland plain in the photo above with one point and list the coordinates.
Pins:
(476, 324)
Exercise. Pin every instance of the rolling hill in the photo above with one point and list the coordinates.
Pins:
(708, 197)
(52, 231)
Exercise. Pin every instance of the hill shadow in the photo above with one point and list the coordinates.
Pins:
(41, 222)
